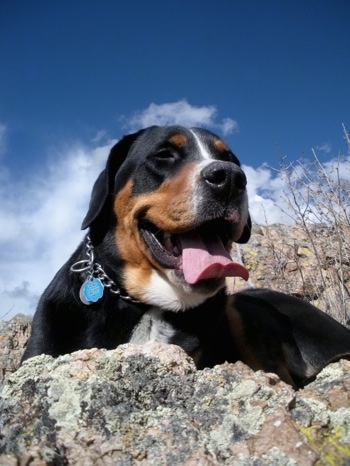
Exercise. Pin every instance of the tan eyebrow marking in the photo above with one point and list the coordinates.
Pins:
(177, 140)
(220, 145)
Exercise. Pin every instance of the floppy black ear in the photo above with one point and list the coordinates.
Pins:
(98, 215)
(244, 238)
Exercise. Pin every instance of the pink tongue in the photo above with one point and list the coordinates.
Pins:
(202, 259)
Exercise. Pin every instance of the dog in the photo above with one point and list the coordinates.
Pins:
(162, 218)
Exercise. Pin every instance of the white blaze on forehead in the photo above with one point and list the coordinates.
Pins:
(202, 148)
(197, 198)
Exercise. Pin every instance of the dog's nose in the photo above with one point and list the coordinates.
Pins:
(224, 178)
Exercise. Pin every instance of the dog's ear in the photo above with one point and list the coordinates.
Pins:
(98, 215)
(244, 238)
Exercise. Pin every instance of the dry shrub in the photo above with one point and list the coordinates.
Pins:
(317, 199)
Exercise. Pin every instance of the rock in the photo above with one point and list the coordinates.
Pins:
(13, 337)
(311, 262)
(148, 405)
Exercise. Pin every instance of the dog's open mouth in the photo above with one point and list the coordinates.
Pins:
(199, 254)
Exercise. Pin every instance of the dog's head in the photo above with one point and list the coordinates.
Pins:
(176, 200)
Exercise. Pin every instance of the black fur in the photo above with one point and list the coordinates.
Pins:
(268, 330)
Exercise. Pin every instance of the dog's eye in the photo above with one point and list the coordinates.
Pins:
(165, 155)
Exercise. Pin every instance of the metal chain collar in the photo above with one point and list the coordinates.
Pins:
(95, 270)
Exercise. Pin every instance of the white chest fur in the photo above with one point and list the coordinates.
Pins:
(152, 326)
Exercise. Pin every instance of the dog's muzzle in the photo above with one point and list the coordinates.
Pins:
(199, 252)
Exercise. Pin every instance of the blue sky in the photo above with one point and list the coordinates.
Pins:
(269, 76)
(70, 69)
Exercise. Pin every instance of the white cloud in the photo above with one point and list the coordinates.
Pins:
(325, 147)
(180, 113)
(338, 167)
(314, 189)
(40, 224)
(265, 193)
(100, 137)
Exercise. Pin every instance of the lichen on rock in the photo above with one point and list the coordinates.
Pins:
(148, 405)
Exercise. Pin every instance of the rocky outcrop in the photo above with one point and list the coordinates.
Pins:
(13, 337)
(148, 405)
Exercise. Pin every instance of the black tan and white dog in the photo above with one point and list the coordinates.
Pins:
(162, 219)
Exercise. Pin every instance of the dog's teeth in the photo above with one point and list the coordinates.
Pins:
(170, 244)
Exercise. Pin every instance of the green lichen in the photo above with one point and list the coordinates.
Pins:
(328, 444)
(304, 251)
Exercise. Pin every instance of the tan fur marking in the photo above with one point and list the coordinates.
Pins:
(178, 140)
(220, 145)
(168, 208)
(137, 269)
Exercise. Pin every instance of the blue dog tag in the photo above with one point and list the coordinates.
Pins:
(91, 291)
